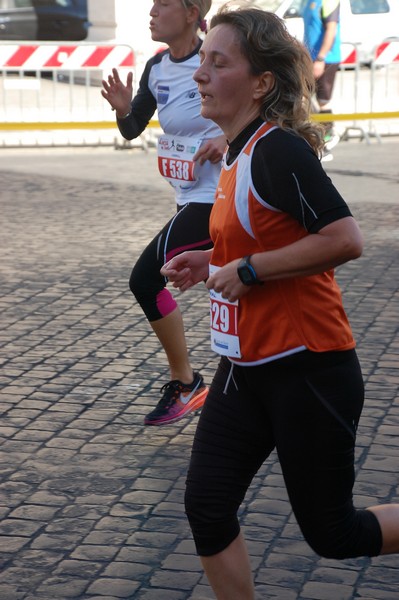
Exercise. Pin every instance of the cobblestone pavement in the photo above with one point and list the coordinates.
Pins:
(90, 499)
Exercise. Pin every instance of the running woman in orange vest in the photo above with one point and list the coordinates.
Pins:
(189, 154)
(289, 378)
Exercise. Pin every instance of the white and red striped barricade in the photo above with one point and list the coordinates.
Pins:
(349, 55)
(23, 56)
(387, 53)
(386, 57)
(350, 60)
(25, 95)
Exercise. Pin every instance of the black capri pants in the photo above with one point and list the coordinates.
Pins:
(307, 406)
(187, 230)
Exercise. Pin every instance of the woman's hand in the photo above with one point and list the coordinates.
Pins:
(187, 269)
(226, 282)
(211, 150)
(117, 94)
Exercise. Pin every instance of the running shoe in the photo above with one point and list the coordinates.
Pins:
(327, 156)
(178, 400)
(330, 141)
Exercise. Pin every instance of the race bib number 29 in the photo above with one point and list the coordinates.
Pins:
(224, 325)
(223, 316)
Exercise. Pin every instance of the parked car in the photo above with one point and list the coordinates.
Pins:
(366, 23)
(52, 20)
(289, 10)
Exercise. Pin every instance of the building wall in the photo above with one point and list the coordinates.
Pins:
(125, 21)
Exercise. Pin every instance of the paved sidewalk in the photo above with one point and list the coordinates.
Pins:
(91, 501)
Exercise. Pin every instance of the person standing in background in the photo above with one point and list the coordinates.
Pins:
(189, 155)
(323, 39)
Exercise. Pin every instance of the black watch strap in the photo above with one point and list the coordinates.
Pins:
(247, 273)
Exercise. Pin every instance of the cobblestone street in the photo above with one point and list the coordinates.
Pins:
(91, 501)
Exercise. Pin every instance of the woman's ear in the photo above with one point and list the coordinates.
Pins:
(264, 85)
(192, 14)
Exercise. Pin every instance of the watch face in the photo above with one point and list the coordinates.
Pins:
(245, 275)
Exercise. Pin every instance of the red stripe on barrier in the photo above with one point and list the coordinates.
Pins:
(381, 48)
(350, 59)
(128, 61)
(96, 58)
(20, 56)
(55, 56)
(54, 60)
(387, 52)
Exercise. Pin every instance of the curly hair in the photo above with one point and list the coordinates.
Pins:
(268, 46)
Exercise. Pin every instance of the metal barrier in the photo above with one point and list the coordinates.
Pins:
(49, 91)
(385, 62)
(49, 82)
(372, 92)
(350, 60)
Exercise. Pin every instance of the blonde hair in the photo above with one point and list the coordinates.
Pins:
(203, 8)
(267, 45)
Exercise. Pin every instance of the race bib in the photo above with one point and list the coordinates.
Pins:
(224, 324)
(175, 160)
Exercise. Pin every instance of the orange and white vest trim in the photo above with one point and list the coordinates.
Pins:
(283, 316)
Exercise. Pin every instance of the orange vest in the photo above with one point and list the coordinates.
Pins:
(283, 316)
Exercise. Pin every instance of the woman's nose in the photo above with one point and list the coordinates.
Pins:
(199, 74)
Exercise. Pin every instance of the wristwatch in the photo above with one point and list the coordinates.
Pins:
(247, 273)
(320, 59)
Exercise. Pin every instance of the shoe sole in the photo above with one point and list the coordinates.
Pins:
(196, 404)
(332, 142)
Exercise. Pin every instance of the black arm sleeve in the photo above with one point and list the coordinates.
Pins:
(143, 107)
(288, 175)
